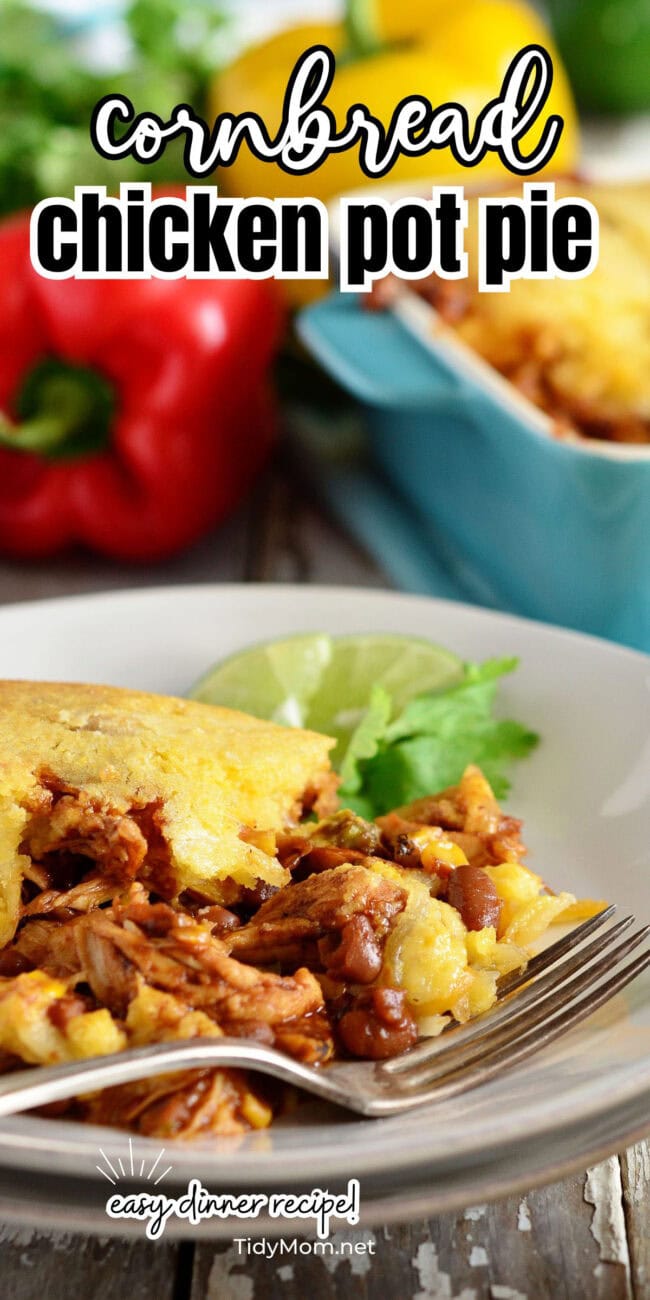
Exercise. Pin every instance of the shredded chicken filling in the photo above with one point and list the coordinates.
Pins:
(108, 954)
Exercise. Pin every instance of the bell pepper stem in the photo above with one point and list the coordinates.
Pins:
(63, 411)
(38, 435)
(360, 29)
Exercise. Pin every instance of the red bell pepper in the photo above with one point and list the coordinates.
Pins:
(136, 412)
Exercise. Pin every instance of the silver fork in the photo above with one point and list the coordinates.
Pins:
(563, 985)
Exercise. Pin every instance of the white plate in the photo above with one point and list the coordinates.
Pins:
(584, 796)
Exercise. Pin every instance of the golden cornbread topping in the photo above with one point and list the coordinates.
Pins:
(578, 348)
(82, 763)
(171, 870)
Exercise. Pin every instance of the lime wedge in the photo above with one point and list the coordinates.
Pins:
(325, 682)
(274, 680)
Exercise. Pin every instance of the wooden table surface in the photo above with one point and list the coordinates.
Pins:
(588, 1236)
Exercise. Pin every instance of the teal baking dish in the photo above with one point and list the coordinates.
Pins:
(554, 529)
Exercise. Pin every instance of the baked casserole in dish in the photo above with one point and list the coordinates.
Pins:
(513, 428)
(578, 349)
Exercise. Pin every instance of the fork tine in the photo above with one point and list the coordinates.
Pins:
(531, 1041)
(554, 996)
(462, 1035)
(555, 950)
(554, 1002)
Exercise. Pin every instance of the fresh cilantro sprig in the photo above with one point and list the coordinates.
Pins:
(172, 50)
(391, 761)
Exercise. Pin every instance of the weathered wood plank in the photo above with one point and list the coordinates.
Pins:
(294, 540)
(635, 1169)
(565, 1242)
(220, 557)
(58, 1266)
(278, 535)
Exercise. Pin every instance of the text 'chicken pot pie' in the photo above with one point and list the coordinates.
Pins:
(170, 869)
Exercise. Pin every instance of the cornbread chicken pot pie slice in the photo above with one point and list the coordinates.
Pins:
(177, 793)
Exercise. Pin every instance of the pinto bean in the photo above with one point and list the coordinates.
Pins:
(357, 955)
(14, 963)
(378, 1026)
(323, 858)
(473, 894)
(220, 918)
(303, 858)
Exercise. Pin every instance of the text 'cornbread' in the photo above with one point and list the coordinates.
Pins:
(144, 783)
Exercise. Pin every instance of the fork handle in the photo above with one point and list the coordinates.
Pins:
(26, 1089)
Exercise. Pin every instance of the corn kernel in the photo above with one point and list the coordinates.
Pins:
(94, 1034)
(433, 844)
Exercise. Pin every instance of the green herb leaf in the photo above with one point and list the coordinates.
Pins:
(429, 745)
(48, 91)
(438, 713)
(365, 739)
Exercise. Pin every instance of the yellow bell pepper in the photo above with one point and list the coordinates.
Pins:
(372, 23)
(449, 52)
(461, 55)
